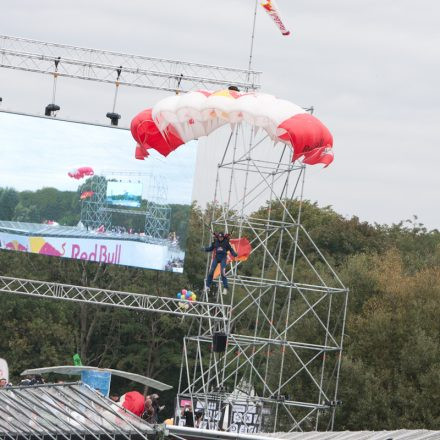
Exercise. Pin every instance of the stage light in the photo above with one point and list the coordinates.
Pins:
(51, 109)
(114, 117)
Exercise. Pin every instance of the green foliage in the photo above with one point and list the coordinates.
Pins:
(390, 376)
(8, 201)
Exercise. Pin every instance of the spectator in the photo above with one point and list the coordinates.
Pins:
(134, 402)
(198, 416)
(37, 380)
(4, 383)
(148, 414)
(32, 380)
(156, 407)
(188, 415)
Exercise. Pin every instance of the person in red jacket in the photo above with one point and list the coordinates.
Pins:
(134, 401)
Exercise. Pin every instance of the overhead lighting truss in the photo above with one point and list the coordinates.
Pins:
(61, 60)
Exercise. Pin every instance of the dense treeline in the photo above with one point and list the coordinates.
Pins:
(390, 374)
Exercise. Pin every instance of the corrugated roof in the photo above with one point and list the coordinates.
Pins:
(47, 411)
(37, 229)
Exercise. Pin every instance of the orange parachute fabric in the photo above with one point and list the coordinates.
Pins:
(243, 249)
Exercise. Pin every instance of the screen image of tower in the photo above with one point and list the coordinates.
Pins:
(76, 191)
(124, 194)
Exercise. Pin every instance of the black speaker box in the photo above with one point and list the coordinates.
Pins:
(219, 341)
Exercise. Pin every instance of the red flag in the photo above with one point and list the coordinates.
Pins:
(272, 9)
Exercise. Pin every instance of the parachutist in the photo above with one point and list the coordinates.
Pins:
(220, 248)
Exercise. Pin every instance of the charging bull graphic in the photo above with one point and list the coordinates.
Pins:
(14, 245)
(40, 246)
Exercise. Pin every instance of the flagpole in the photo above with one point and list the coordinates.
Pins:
(252, 39)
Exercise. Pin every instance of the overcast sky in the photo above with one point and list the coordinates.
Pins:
(369, 67)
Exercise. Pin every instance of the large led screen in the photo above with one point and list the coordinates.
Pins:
(76, 191)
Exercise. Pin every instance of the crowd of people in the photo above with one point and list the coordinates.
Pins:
(36, 379)
(147, 407)
(192, 419)
(173, 264)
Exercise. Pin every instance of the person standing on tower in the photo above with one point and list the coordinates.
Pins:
(220, 248)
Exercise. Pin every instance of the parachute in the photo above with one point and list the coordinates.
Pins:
(79, 173)
(177, 119)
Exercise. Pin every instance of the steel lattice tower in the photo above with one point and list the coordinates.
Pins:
(93, 212)
(286, 323)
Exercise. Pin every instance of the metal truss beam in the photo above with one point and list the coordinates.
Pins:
(225, 397)
(245, 340)
(122, 69)
(104, 297)
(264, 282)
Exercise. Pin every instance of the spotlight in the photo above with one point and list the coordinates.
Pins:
(114, 117)
(51, 109)
(235, 88)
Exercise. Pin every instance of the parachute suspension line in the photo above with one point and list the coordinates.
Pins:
(213, 211)
(231, 181)
(251, 52)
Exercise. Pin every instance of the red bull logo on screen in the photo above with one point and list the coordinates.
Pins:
(101, 253)
(94, 249)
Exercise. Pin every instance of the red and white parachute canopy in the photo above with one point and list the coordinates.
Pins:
(79, 173)
(178, 119)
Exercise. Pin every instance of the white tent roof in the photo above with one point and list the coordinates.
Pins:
(70, 370)
(47, 411)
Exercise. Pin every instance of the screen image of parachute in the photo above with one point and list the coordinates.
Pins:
(75, 190)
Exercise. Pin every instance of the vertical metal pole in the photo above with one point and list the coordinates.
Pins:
(339, 358)
(251, 52)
